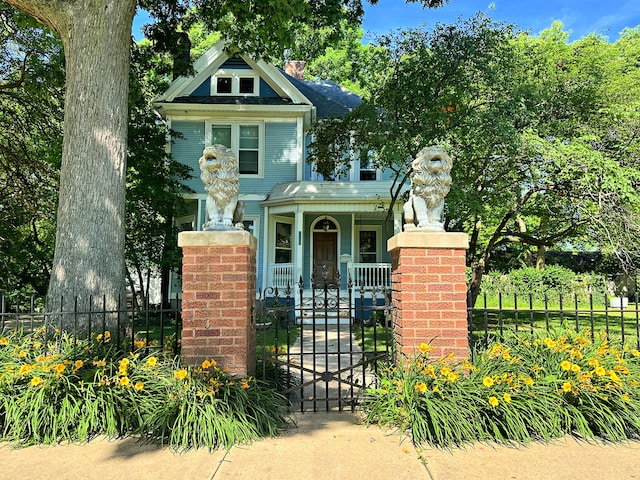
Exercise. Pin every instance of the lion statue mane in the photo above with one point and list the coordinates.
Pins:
(220, 175)
(430, 183)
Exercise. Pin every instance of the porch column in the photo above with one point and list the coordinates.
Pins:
(298, 257)
(218, 295)
(429, 287)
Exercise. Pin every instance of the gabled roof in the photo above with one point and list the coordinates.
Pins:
(213, 59)
(316, 98)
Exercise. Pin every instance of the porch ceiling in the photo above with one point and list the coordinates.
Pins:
(323, 194)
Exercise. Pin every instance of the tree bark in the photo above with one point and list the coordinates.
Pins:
(89, 253)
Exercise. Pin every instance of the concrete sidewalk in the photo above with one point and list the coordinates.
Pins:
(323, 445)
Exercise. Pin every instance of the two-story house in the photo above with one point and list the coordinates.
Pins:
(302, 221)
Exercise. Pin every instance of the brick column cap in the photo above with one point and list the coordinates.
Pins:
(217, 238)
(418, 239)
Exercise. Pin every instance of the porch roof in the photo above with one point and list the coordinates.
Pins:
(328, 193)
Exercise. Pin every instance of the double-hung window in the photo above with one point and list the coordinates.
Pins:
(245, 140)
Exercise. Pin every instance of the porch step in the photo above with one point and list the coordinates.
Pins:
(323, 316)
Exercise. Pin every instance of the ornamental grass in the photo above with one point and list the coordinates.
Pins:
(520, 390)
(70, 390)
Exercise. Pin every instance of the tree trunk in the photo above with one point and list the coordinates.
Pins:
(542, 250)
(89, 253)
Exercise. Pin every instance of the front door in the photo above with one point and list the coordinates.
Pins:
(325, 253)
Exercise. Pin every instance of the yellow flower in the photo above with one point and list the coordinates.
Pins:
(614, 376)
(60, 368)
(100, 363)
(528, 381)
(425, 347)
(206, 364)
(549, 343)
(78, 364)
(421, 387)
(151, 362)
(436, 389)
(36, 381)
(245, 384)
(452, 377)
(4, 341)
(138, 386)
(493, 401)
(124, 381)
(565, 365)
(487, 382)
(566, 387)
(180, 374)
(107, 335)
(24, 369)
(575, 368)
(506, 397)
(124, 362)
(139, 343)
(625, 397)
(600, 370)
(634, 352)
(22, 354)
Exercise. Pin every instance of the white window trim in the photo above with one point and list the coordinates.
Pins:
(256, 224)
(272, 234)
(235, 141)
(235, 75)
(356, 241)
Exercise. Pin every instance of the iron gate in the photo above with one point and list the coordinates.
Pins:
(322, 346)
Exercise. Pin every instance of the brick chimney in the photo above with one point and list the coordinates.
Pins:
(295, 68)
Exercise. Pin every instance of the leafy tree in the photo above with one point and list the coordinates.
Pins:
(31, 99)
(526, 119)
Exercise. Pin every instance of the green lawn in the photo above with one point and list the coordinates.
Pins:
(525, 316)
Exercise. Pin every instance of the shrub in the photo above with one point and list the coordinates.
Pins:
(549, 282)
(517, 391)
(69, 390)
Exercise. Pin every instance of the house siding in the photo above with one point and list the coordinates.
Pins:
(188, 150)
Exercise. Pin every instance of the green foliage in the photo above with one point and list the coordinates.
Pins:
(62, 389)
(31, 99)
(551, 281)
(516, 391)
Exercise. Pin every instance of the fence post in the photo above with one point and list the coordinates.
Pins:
(428, 281)
(219, 292)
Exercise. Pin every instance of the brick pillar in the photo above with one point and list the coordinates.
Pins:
(429, 291)
(218, 294)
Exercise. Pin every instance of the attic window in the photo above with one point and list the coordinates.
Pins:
(235, 82)
(224, 85)
(246, 84)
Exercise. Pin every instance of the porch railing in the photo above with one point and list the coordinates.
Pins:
(281, 274)
(369, 275)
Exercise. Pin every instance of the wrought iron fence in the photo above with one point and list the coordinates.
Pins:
(149, 327)
(494, 316)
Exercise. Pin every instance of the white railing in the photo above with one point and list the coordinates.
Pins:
(281, 274)
(370, 275)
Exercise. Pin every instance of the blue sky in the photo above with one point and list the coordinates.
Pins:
(581, 17)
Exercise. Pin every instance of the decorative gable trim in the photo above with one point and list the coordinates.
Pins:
(207, 65)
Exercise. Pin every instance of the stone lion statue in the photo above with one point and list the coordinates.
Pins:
(430, 182)
(220, 174)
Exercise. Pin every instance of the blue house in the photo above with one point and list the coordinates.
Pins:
(301, 220)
